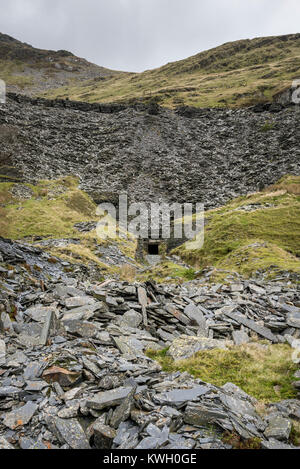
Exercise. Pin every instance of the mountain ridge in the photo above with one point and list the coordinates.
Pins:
(31, 71)
(235, 74)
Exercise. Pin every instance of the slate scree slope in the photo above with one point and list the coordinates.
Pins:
(187, 155)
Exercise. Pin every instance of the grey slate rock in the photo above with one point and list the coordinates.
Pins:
(194, 313)
(179, 396)
(278, 428)
(111, 398)
(4, 444)
(186, 346)
(2, 352)
(262, 331)
(240, 337)
(122, 413)
(71, 432)
(200, 415)
(21, 416)
(103, 436)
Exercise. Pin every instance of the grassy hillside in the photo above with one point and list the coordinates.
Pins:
(258, 232)
(30, 70)
(235, 74)
(49, 210)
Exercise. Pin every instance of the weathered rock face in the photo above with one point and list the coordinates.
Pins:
(209, 158)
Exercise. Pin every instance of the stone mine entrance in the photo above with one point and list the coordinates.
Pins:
(153, 248)
(149, 250)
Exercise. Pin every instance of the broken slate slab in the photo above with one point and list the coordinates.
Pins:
(129, 345)
(279, 428)
(179, 396)
(194, 314)
(49, 322)
(240, 337)
(71, 432)
(260, 330)
(112, 398)
(62, 376)
(103, 436)
(2, 352)
(122, 413)
(275, 444)
(39, 313)
(201, 415)
(84, 329)
(4, 444)
(21, 416)
(10, 391)
(293, 319)
(77, 301)
(186, 346)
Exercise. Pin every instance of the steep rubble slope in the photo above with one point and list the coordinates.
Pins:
(210, 157)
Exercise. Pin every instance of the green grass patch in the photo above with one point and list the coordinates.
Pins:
(267, 237)
(51, 213)
(168, 272)
(263, 371)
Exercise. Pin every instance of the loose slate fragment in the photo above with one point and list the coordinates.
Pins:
(143, 300)
(82, 328)
(10, 391)
(240, 337)
(177, 314)
(111, 398)
(179, 396)
(49, 321)
(64, 377)
(279, 428)
(30, 443)
(293, 319)
(4, 444)
(122, 413)
(103, 436)
(200, 415)
(78, 301)
(39, 313)
(2, 352)
(21, 416)
(194, 314)
(72, 433)
(263, 331)
(129, 345)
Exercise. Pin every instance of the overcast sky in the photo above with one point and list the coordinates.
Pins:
(135, 35)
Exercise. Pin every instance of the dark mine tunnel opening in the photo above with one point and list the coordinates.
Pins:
(153, 249)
